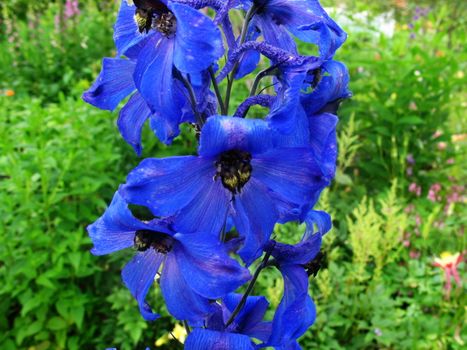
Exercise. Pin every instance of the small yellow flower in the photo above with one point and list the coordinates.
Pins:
(9, 93)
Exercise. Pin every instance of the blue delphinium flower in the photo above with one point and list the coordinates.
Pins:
(238, 173)
(196, 267)
(115, 82)
(177, 43)
(237, 335)
(329, 84)
(277, 19)
(296, 311)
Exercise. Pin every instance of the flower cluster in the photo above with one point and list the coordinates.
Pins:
(248, 175)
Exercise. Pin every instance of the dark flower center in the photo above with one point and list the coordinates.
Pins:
(313, 266)
(160, 242)
(154, 14)
(234, 169)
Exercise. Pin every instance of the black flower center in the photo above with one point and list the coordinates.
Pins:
(313, 266)
(234, 169)
(154, 14)
(160, 242)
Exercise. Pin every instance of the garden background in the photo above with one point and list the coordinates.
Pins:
(398, 200)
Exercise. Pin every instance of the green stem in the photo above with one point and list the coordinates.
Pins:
(217, 91)
(251, 12)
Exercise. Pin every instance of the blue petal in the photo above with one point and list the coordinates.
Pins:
(166, 185)
(126, 35)
(131, 121)
(296, 311)
(283, 116)
(250, 59)
(203, 339)
(114, 83)
(320, 219)
(292, 174)
(254, 217)
(206, 265)
(300, 135)
(312, 24)
(221, 134)
(182, 302)
(138, 275)
(275, 34)
(198, 40)
(154, 80)
(332, 87)
(323, 141)
(115, 230)
(249, 319)
(301, 253)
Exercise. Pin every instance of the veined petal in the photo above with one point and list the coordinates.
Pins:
(250, 317)
(202, 339)
(254, 217)
(296, 311)
(312, 24)
(126, 34)
(182, 302)
(114, 83)
(167, 185)
(115, 230)
(131, 121)
(331, 87)
(323, 141)
(138, 275)
(198, 42)
(301, 253)
(206, 266)
(221, 134)
(154, 80)
(275, 34)
(292, 174)
(300, 135)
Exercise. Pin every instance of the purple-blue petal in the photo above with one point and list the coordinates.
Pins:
(114, 83)
(203, 339)
(182, 302)
(154, 80)
(206, 265)
(331, 87)
(296, 311)
(166, 185)
(115, 230)
(198, 42)
(138, 276)
(221, 134)
(131, 121)
(323, 141)
(293, 176)
(255, 216)
(126, 35)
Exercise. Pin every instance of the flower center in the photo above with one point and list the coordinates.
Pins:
(234, 169)
(160, 242)
(154, 14)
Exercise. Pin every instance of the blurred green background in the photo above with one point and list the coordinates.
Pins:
(398, 200)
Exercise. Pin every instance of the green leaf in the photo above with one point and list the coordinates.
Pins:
(343, 179)
(56, 324)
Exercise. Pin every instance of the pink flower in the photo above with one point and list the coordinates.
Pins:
(448, 262)
(414, 188)
(442, 146)
(414, 254)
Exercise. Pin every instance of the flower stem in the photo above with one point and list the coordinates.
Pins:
(217, 91)
(249, 289)
(251, 12)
